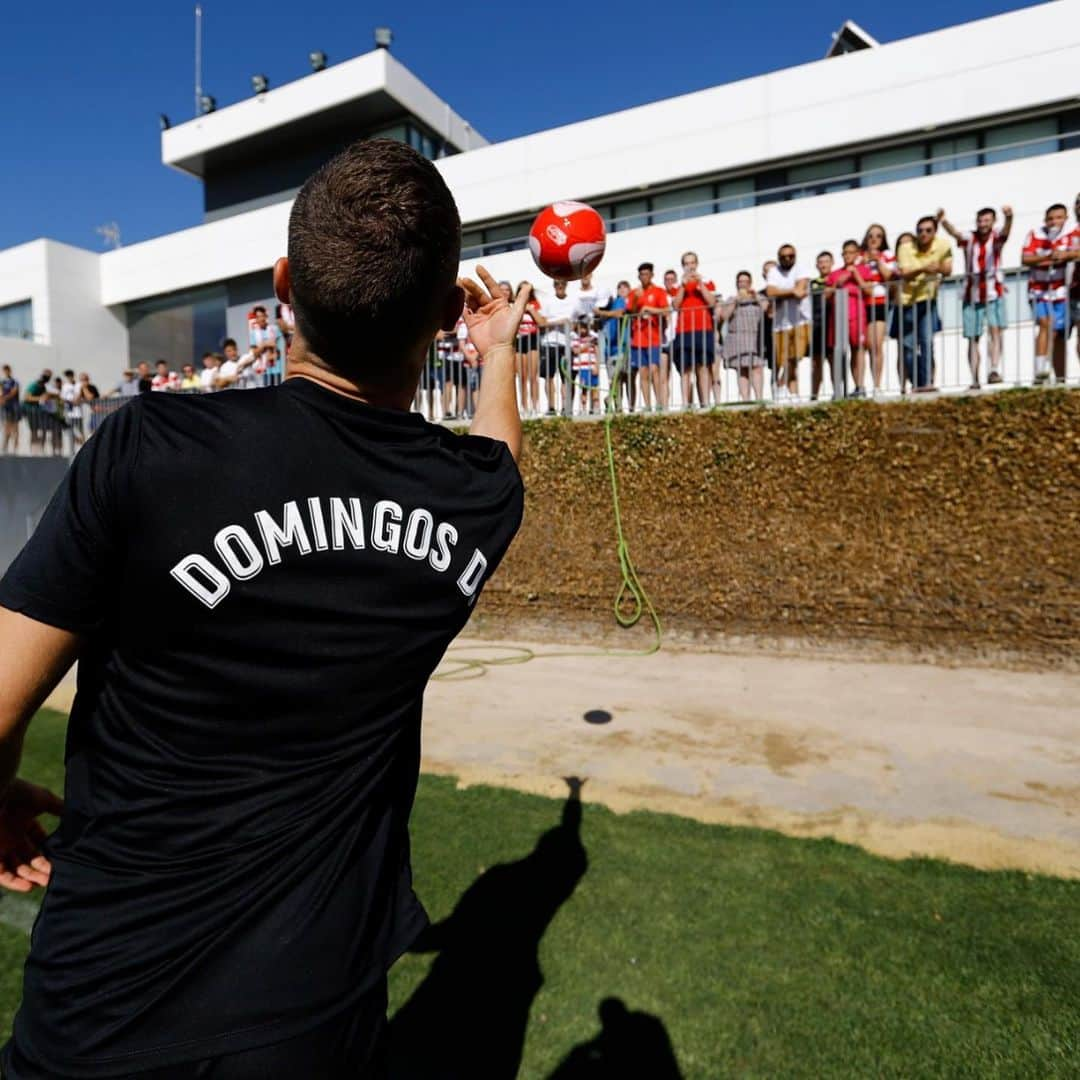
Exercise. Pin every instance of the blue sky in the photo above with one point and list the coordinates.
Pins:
(84, 82)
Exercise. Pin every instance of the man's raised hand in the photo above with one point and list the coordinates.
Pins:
(491, 319)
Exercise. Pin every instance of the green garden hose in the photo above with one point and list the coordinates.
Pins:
(630, 591)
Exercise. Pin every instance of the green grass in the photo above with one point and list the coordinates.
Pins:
(762, 956)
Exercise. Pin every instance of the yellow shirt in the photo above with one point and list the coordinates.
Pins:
(909, 257)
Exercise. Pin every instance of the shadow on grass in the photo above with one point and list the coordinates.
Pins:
(467, 1019)
(628, 1044)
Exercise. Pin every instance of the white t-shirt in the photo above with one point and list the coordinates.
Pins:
(586, 301)
(249, 376)
(208, 378)
(227, 368)
(560, 311)
(789, 312)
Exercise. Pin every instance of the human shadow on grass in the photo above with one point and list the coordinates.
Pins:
(467, 1019)
(629, 1044)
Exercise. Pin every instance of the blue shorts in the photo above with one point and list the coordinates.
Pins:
(591, 379)
(979, 316)
(1054, 310)
(644, 357)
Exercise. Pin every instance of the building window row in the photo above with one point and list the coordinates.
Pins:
(923, 157)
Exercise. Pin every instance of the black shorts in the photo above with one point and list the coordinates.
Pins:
(350, 1046)
(876, 313)
(552, 360)
(431, 377)
(695, 348)
(455, 373)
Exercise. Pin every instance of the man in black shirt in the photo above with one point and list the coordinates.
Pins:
(257, 587)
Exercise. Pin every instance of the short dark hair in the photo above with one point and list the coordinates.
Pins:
(743, 273)
(782, 247)
(206, 354)
(986, 210)
(159, 360)
(672, 272)
(820, 253)
(69, 371)
(927, 217)
(231, 341)
(646, 266)
(257, 309)
(849, 243)
(1057, 206)
(374, 247)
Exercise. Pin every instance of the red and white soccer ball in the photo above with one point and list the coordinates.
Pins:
(567, 240)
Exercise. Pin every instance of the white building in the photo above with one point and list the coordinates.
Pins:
(983, 113)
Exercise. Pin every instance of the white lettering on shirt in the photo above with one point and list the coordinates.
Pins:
(211, 589)
(318, 523)
(241, 556)
(472, 575)
(418, 534)
(445, 539)
(349, 521)
(393, 531)
(290, 531)
(386, 530)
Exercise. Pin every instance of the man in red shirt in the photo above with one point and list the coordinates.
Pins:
(694, 348)
(645, 305)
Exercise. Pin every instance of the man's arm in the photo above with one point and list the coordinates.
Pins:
(493, 325)
(33, 658)
(774, 292)
(1006, 229)
(948, 226)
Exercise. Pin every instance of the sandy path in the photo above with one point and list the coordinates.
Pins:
(977, 765)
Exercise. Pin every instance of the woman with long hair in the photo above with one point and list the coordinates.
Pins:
(527, 362)
(877, 267)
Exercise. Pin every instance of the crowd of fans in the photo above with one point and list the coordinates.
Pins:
(645, 335)
(649, 334)
(66, 407)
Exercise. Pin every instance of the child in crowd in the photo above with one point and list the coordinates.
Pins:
(586, 362)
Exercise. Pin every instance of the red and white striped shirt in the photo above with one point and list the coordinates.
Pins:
(983, 281)
(1047, 282)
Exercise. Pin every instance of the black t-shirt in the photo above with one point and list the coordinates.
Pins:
(265, 581)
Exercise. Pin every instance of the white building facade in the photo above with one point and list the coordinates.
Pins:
(986, 113)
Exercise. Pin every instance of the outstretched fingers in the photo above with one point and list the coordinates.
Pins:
(491, 284)
(475, 297)
(521, 300)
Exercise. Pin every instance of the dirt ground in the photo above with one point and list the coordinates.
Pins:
(978, 765)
